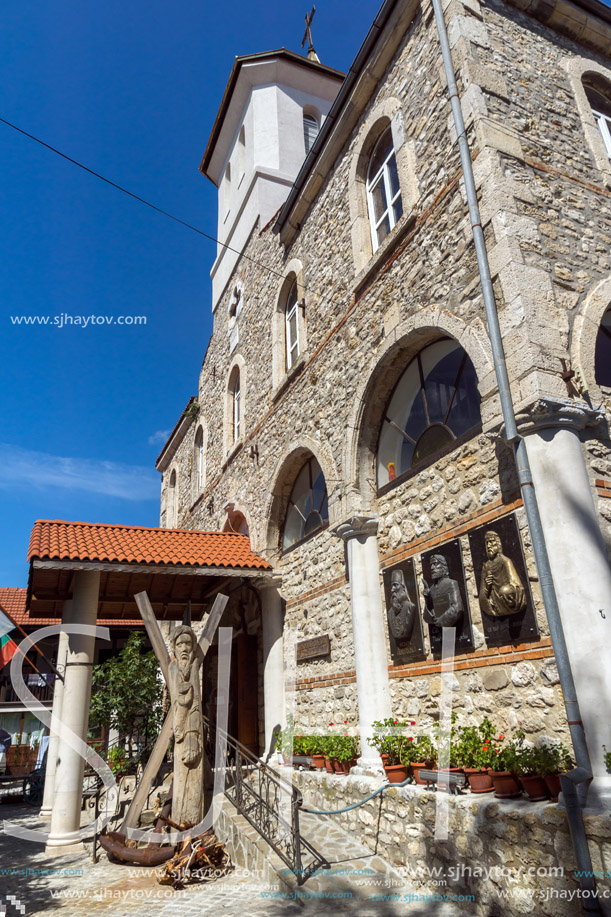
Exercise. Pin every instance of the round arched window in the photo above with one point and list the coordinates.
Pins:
(602, 358)
(435, 401)
(308, 508)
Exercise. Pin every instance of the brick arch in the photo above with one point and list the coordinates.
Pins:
(282, 480)
(585, 330)
(395, 352)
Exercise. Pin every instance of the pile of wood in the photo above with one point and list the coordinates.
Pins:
(200, 859)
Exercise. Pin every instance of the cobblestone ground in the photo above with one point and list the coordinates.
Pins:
(78, 888)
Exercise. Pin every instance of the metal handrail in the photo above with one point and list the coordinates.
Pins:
(270, 804)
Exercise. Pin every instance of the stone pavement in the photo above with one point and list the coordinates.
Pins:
(79, 888)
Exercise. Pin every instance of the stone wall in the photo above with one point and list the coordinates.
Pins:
(546, 219)
(522, 848)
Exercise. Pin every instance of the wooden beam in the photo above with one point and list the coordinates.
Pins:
(154, 633)
(152, 766)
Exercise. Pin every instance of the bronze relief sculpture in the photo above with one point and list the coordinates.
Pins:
(501, 591)
(402, 611)
(444, 606)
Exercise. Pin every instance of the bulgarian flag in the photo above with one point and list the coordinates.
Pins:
(8, 647)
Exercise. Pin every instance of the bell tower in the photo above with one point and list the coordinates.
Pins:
(269, 117)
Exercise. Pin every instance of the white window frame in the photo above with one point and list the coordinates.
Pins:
(292, 346)
(603, 123)
(199, 460)
(235, 403)
(312, 122)
(384, 172)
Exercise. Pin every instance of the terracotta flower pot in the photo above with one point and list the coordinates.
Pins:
(479, 779)
(536, 787)
(385, 759)
(552, 782)
(319, 761)
(415, 766)
(505, 785)
(396, 773)
(338, 766)
(329, 765)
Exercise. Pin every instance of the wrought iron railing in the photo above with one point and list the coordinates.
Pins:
(270, 804)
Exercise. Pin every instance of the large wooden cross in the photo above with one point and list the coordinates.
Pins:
(308, 32)
(167, 730)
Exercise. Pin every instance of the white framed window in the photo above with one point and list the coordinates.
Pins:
(199, 461)
(172, 502)
(383, 189)
(310, 131)
(236, 405)
(598, 94)
(292, 326)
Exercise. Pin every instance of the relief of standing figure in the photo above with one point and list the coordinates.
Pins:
(501, 592)
(188, 731)
(444, 607)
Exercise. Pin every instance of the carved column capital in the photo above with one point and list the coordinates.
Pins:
(360, 525)
(557, 413)
(270, 580)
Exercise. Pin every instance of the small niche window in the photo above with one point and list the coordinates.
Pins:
(598, 94)
(602, 358)
(236, 406)
(292, 326)
(435, 401)
(310, 131)
(171, 513)
(308, 509)
(383, 190)
(199, 461)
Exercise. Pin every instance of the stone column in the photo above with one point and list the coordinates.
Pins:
(58, 696)
(359, 534)
(580, 569)
(66, 811)
(273, 657)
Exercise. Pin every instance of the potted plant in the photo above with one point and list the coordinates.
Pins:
(505, 783)
(446, 742)
(527, 770)
(476, 746)
(318, 752)
(392, 745)
(346, 751)
(554, 759)
(420, 754)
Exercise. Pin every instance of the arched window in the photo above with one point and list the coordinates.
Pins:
(172, 502)
(383, 190)
(310, 131)
(291, 324)
(308, 509)
(602, 358)
(236, 405)
(435, 401)
(199, 462)
(598, 94)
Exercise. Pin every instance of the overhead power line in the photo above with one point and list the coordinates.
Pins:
(136, 197)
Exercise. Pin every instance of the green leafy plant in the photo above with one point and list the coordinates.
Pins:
(117, 758)
(475, 746)
(126, 691)
(607, 757)
(447, 739)
(346, 748)
(421, 750)
(397, 747)
(553, 758)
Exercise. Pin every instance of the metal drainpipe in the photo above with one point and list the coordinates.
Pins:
(578, 782)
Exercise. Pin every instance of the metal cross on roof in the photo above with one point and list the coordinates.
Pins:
(308, 34)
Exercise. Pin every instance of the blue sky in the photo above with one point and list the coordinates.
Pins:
(131, 90)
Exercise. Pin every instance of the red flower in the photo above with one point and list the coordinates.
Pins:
(501, 737)
(330, 724)
(410, 739)
(485, 747)
(413, 723)
(345, 722)
(298, 735)
(396, 721)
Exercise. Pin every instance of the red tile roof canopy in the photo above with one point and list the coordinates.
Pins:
(14, 603)
(126, 544)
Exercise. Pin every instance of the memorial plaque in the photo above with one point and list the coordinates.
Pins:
(402, 613)
(445, 596)
(316, 646)
(500, 574)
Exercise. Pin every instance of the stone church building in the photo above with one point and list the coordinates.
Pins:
(347, 417)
